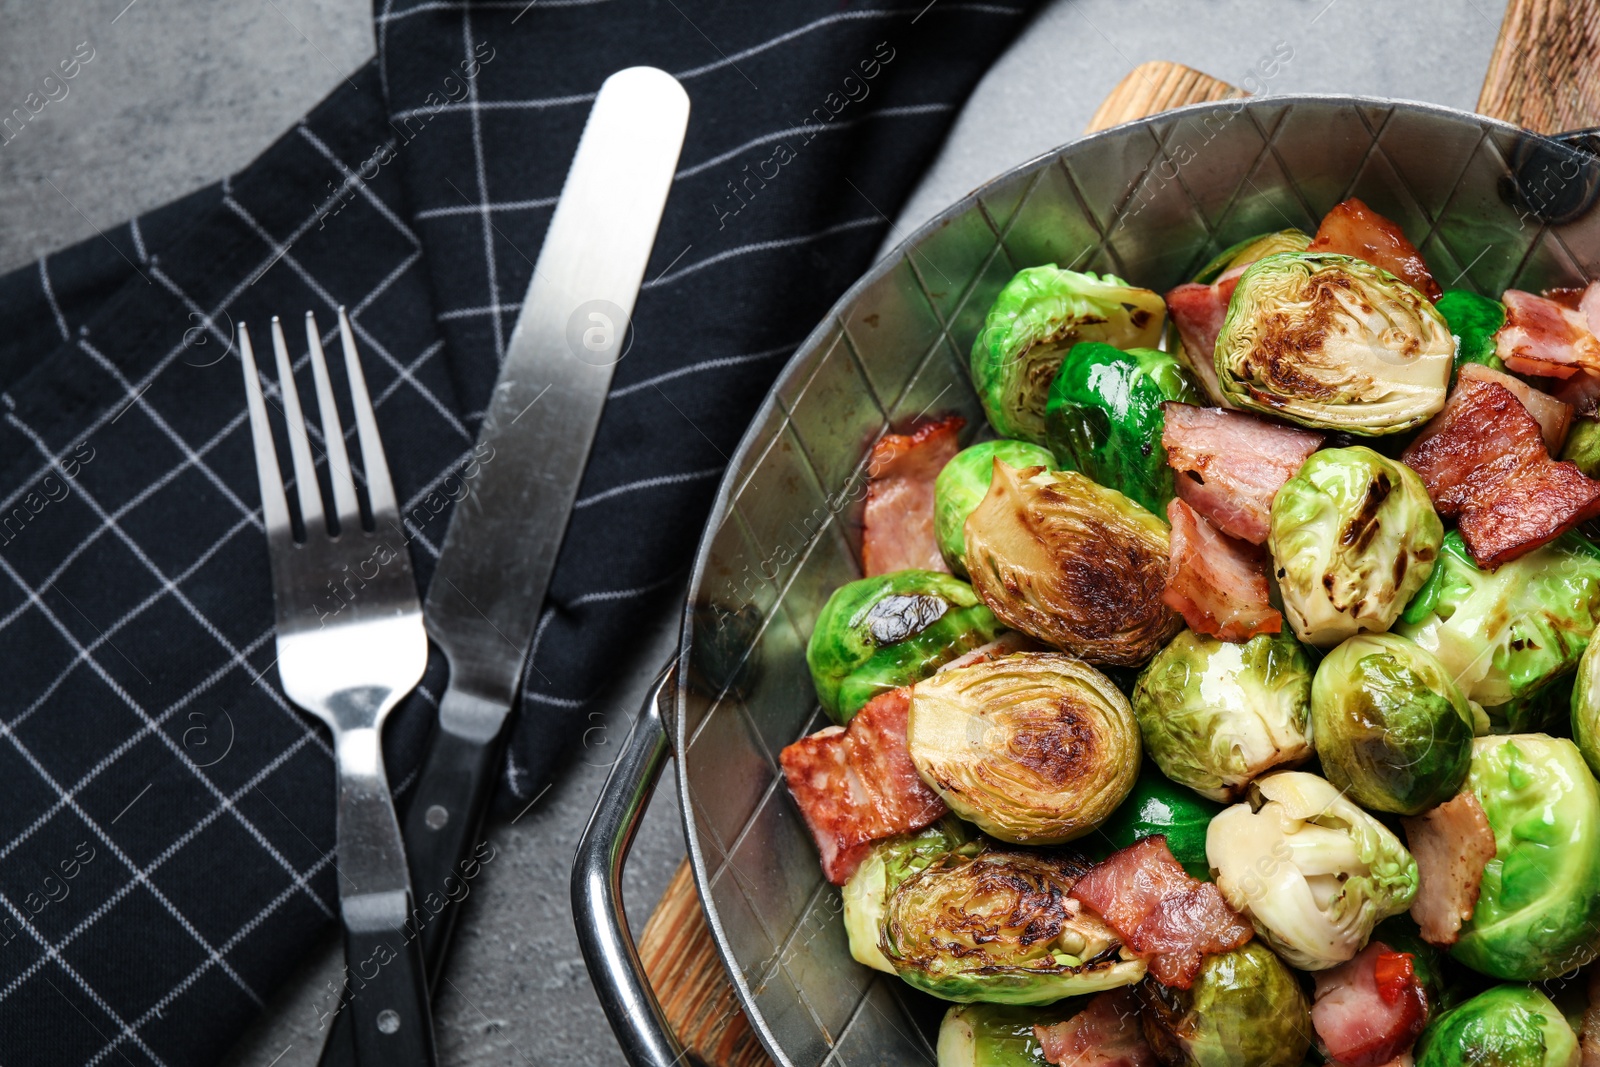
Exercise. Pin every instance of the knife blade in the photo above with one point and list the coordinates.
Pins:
(501, 544)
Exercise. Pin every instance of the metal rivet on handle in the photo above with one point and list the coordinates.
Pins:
(388, 1021)
(436, 816)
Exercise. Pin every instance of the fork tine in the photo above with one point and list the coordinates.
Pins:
(373, 461)
(305, 471)
(344, 488)
(274, 506)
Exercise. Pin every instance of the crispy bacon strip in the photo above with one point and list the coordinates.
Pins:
(1106, 1033)
(855, 785)
(1216, 582)
(1230, 465)
(898, 519)
(1589, 1043)
(1198, 312)
(1162, 915)
(1544, 337)
(1553, 415)
(1451, 843)
(1369, 1009)
(1354, 229)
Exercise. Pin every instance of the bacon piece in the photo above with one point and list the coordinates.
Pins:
(1543, 337)
(1552, 414)
(1198, 312)
(1216, 582)
(1106, 1033)
(1230, 465)
(1589, 1043)
(1162, 915)
(855, 785)
(1533, 507)
(1354, 229)
(1369, 1009)
(1451, 843)
(898, 519)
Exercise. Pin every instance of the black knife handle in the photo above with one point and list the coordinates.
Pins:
(389, 1015)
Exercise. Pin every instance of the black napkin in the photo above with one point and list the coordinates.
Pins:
(166, 816)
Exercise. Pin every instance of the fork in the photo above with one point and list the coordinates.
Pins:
(350, 645)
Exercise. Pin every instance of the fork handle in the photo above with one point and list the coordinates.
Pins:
(390, 1017)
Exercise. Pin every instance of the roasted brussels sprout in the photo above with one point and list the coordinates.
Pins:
(1037, 318)
(1072, 563)
(1474, 320)
(1393, 730)
(1214, 714)
(1507, 1026)
(1582, 446)
(1586, 707)
(996, 927)
(1251, 249)
(1538, 910)
(962, 485)
(997, 1035)
(1314, 872)
(1158, 805)
(892, 861)
(1245, 1009)
(877, 634)
(1508, 637)
(1104, 417)
(1334, 343)
(1353, 536)
(1035, 748)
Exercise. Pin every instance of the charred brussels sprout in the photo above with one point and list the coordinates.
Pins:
(1353, 537)
(1507, 1026)
(964, 482)
(1035, 321)
(1474, 320)
(1072, 563)
(1334, 343)
(1245, 1009)
(996, 927)
(1035, 748)
(1104, 417)
(1314, 872)
(1215, 714)
(1509, 637)
(1393, 730)
(1538, 907)
(877, 634)
(866, 894)
(997, 1035)
(1158, 805)
(1251, 249)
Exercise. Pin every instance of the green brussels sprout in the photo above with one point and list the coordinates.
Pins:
(996, 927)
(1215, 714)
(1474, 320)
(1508, 1026)
(964, 482)
(997, 1035)
(1251, 249)
(1245, 1009)
(1334, 343)
(890, 862)
(1073, 564)
(1538, 910)
(1393, 730)
(1104, 417)
(1582, 446)
(1353, 535)
(1035, 748)
(1314, 872)
(1037, 318)
(1509, 636)
(1158, 805)
(877, 634)
(1586, 707)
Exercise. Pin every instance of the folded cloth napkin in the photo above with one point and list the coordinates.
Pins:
(166, 816)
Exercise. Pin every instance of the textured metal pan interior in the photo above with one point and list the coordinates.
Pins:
(1489, 207)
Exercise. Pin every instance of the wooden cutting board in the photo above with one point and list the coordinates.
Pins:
(1543, 75)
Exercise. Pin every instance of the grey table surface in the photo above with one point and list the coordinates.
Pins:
(183, 92)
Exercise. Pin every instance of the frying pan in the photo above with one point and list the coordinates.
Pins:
(1490, 207)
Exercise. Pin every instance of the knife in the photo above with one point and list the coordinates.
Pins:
(500, 548)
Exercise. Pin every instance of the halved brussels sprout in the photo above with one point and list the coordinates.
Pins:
(1251, 249)
(890, 862)
(1353, 536)
(1314, 872)
(1474, 320)
(1072, 563)
(1215, 714)
(997, 1035)
(1035, 748)
(1538, 910)
(1507, 1026)
(1508, 637)
(1104, 417)
(996, 927)
(1037, 318)
(877, 634)
(1158, 805)
(964, 482)
(1393, 731)
(1334, 343)
(1245, 1009)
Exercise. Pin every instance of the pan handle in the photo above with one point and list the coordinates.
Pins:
(608, 950)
